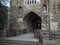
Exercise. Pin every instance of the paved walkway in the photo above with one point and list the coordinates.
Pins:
(24, 37)
(30, 37)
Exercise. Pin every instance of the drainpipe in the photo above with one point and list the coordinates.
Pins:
(49, 18)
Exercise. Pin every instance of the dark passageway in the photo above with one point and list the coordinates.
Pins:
(33, 21)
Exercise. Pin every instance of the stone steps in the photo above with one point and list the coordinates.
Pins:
(18, 42)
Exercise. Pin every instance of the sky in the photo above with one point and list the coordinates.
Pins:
(8, 4)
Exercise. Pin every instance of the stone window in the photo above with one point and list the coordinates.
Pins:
(45, 6)
(20, 10)
(31, 1)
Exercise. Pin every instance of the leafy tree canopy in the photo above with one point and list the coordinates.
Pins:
(3, 13)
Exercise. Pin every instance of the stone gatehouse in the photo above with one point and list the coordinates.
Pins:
(29, 15)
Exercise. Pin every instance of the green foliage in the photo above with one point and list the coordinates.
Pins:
(3, 15)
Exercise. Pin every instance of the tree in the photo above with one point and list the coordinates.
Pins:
(3, 14)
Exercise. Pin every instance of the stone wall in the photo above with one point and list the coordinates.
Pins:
(19, 10)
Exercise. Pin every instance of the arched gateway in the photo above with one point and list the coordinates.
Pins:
(43, 19)
(32, 21)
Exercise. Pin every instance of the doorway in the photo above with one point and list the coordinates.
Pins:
(33, 21)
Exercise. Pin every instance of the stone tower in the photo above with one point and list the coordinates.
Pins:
(29, 15)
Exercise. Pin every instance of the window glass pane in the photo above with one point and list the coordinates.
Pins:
(27, 1)
(35, 1)
(32, 1)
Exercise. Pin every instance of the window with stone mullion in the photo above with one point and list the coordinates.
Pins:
(35, 1)
(27, 1)
(30, 1)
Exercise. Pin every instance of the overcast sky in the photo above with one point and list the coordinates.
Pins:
(8, 4)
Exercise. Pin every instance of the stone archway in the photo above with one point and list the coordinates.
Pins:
(33, 21)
